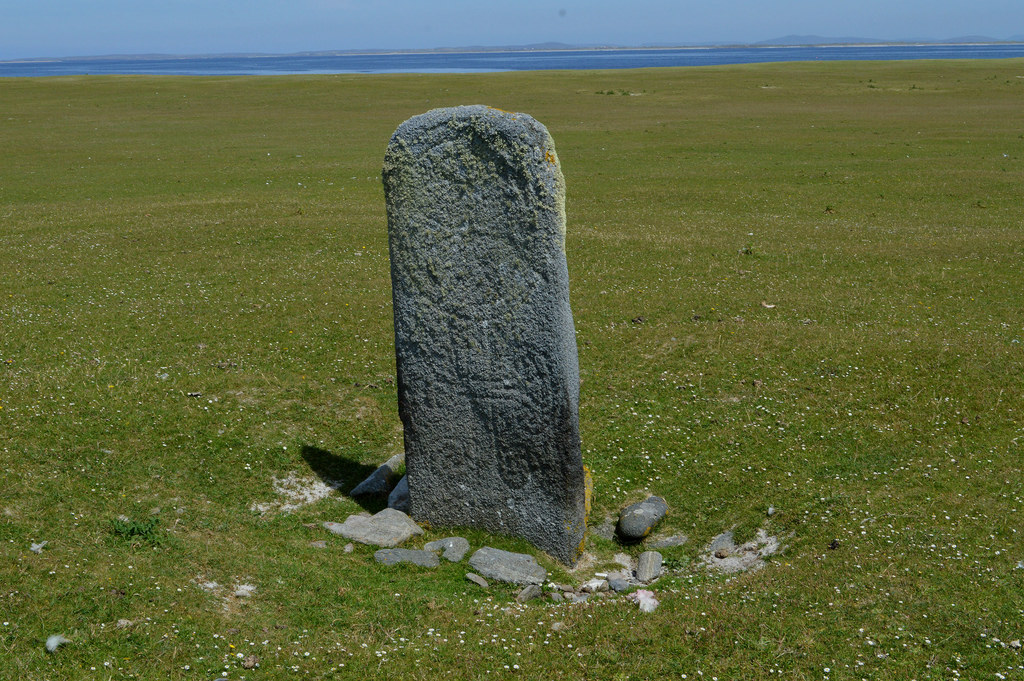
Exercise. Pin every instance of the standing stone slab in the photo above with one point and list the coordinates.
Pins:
(488, 379)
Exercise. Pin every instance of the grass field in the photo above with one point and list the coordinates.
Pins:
(794, 285)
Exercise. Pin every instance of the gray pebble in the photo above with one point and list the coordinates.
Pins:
(529, 592)
(477, 579)
(618, 584)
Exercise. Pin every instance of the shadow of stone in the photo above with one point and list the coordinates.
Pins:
(334, 469)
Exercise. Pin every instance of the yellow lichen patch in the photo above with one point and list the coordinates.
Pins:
(550, 157)
(494, 108)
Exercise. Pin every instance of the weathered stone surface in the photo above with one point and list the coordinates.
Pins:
(648, 567)
(399, 497)
(379, 482)
(387, 528)
(477, 579)
(488, 377)
(529, 592)
(455, 548)
(636, 521)
(505, 566)
(595, 585)
(395, 556)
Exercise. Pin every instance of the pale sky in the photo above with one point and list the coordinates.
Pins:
(58, 28)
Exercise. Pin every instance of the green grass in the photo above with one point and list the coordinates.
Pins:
(195, 300)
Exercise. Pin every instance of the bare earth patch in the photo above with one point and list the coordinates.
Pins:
(295, 493)
(724, 555)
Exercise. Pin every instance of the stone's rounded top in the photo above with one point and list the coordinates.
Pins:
(636, 521)
(454, 120)
(442, 143)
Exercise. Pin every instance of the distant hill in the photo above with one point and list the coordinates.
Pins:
(790, 40)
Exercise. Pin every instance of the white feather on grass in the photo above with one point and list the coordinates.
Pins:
(54, 642)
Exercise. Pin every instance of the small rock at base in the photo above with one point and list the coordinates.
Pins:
(395, 556)
(529, 592)
(595, 585)
(455, 548)
(636, 521)
(318, 544)
(379, 481)
(649, 566)
(477, 579)
(617, 584)
(1015, 644)
(556, 596)
(399, 497)
(349, 547)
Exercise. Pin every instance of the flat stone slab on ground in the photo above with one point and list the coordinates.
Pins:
(637, 520)
(669, 542)
(387, 528)
(395, 556)
(454, 548)
(505, 566)
(488, 375)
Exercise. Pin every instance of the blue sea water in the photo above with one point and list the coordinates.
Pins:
(478, 62)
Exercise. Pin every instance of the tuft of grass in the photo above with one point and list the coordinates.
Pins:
(143, 530)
